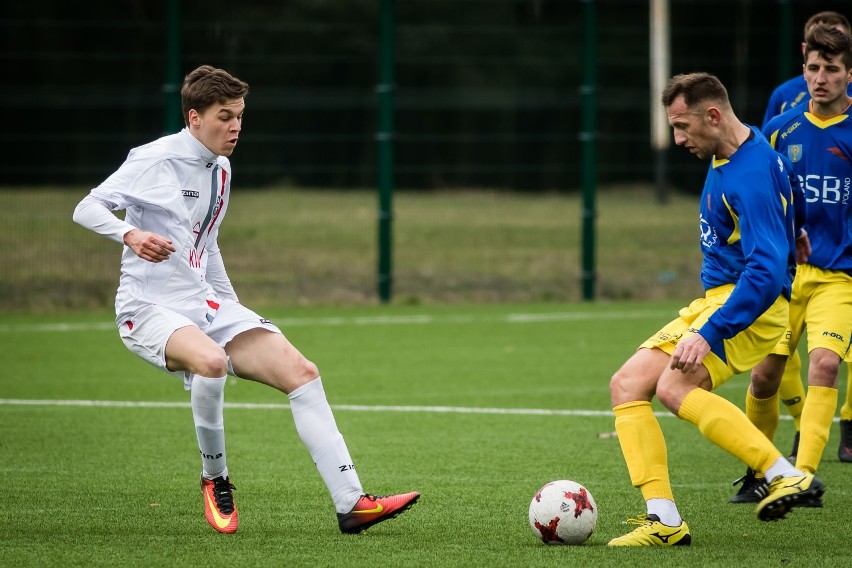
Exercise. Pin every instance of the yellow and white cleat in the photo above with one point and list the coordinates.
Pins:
(651, 532)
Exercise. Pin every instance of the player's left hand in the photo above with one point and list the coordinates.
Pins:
(689, 353)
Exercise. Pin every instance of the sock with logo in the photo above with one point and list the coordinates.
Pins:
(644, 449)
(318, 430)
(816, 424)
(721, 422)
(792, 389)
(763, 413)
(208, 400)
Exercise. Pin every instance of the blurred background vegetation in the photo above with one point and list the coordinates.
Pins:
(286, 246)
(486, 140)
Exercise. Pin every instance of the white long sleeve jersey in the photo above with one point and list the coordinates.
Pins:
(177, 188)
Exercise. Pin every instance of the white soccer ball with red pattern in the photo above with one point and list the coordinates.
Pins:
(563, 512)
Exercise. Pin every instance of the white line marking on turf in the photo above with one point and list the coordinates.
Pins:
(423, 319)
(350, 407)
(261, 406)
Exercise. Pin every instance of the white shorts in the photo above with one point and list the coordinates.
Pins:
(147, 331)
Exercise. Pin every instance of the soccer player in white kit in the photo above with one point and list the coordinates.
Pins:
(176, 307)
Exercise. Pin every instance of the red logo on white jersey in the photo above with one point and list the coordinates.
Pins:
(195, 257)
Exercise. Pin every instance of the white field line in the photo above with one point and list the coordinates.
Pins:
(269, 406)
(423, 319)
(355, 321)
(344, 407)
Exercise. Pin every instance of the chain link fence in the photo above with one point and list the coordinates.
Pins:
(486, 104)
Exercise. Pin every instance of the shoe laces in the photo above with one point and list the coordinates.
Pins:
(222, 493)
(638, 520)
(374, 498)
(747, 478)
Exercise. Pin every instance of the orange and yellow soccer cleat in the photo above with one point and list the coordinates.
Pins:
(219, 507)
(372, 509)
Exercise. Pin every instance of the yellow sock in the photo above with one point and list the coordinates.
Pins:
(763, 413)
(792, 390)
(846, 409)
(721, 422)
(644, 449)
(816, 424)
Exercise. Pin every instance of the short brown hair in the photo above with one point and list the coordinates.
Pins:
(206, 86)
(829, 42)
(695, 88)
(832, 19)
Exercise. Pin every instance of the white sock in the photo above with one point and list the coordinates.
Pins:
(666, 510)
(208, 401)
(783, 468)
(318, 430)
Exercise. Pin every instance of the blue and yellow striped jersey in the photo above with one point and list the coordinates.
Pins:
(747, 234)
(820, 150)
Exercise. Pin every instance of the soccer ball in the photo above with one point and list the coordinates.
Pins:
(563, 512)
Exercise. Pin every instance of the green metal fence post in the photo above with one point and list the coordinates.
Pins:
(171, 88)
(588, 140)
(384, 139)
(786, 39)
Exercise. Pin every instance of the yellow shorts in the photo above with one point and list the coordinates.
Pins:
(822, 305)
(732, 356)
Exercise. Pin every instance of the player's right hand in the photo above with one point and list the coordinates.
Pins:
(149, 246)
(689, 353)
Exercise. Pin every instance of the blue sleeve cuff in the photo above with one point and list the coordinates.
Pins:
(710, 333)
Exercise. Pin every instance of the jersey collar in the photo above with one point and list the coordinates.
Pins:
(196, 147)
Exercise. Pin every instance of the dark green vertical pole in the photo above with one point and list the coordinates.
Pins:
(786, 39)
(171, 88)
(384, 138)
(588, 140)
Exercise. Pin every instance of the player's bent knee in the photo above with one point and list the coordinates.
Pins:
(824, 369)
(615, 386)
(622, 388)
(211, 363)
(307, 371)
(668, 398)
(763, 385)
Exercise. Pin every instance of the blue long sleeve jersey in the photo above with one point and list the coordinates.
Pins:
(790, 94)
(747, 235)
(820, 150)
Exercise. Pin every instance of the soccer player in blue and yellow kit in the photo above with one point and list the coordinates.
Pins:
(789, 95)
(747, 239)
(793, 93)
(818, 141)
